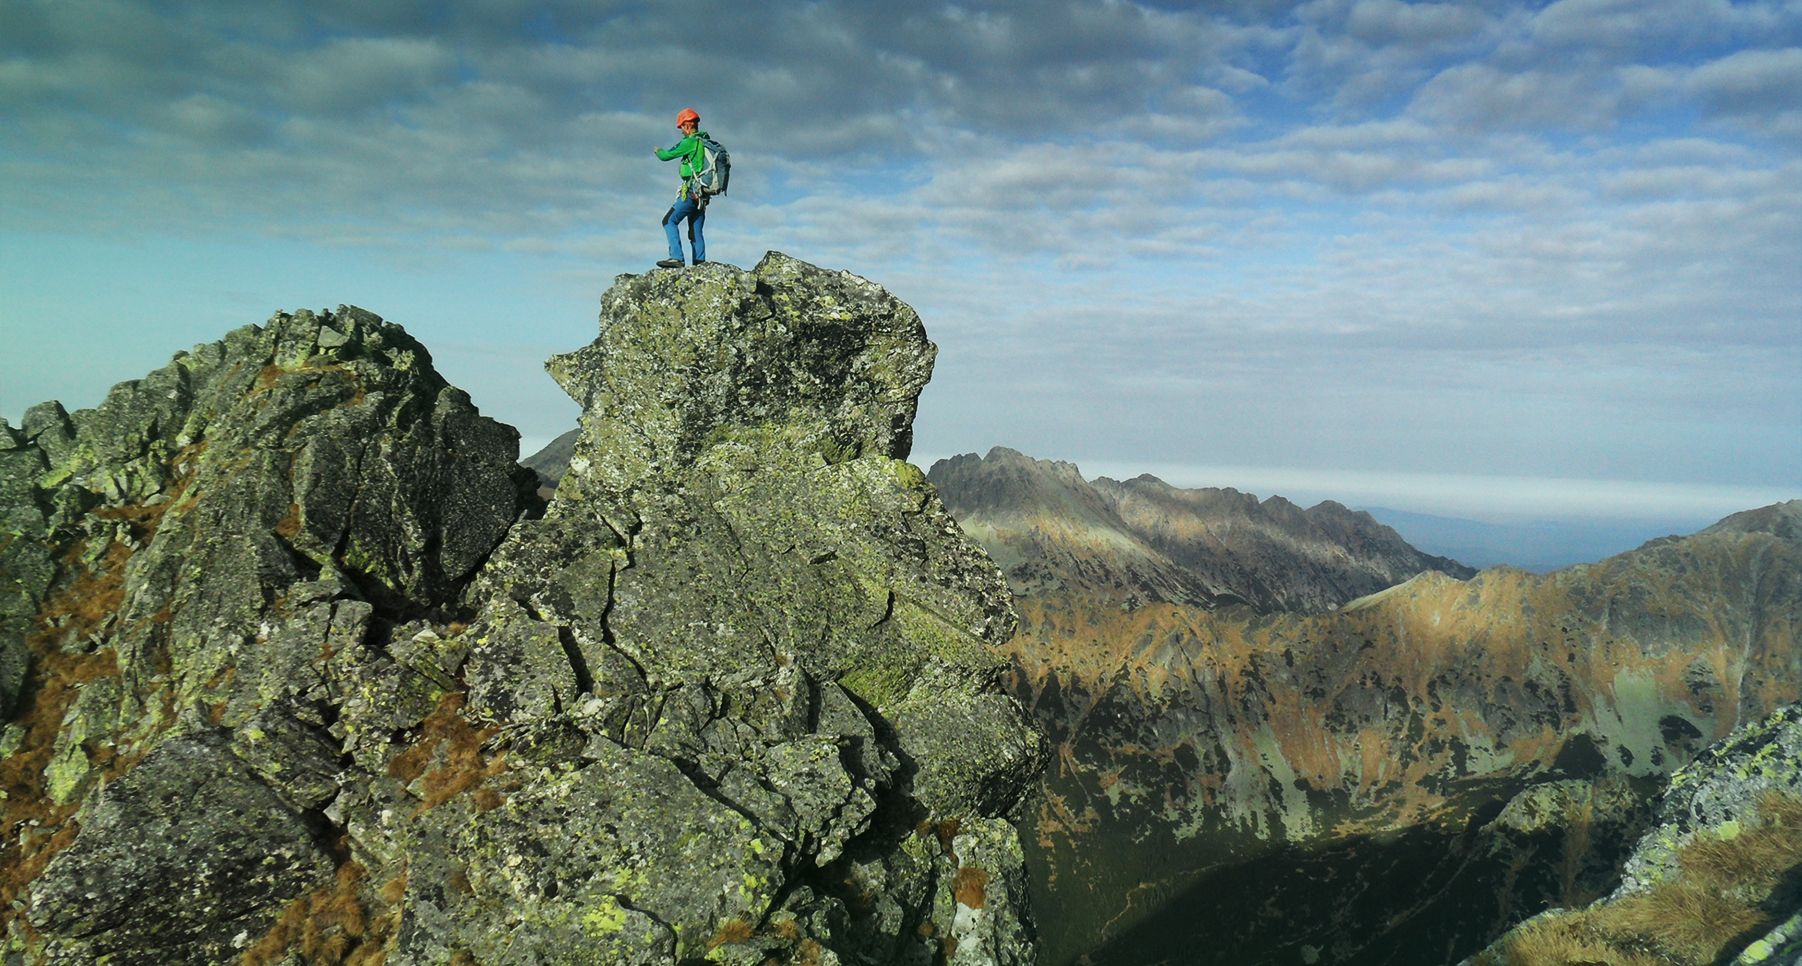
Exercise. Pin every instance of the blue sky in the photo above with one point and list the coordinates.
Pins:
(1489, 259)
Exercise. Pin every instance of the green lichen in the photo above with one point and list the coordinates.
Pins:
(936, 634)
(65, 773)
(910, 477)
(879, 685)
(605, 918)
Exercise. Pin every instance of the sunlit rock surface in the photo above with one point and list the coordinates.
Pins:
(295, 666)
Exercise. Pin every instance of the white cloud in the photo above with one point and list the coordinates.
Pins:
(1479, 96)
(1360, 55)
(1617, 30)
(350, 75)
(1759, 86)
(1381, 23)
(1296, 220)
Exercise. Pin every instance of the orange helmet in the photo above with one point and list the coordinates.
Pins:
(688, 114)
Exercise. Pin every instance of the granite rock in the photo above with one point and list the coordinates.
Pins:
(287, 637)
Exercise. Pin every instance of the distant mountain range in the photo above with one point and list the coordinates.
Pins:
(551, 462)
(1147, 541)
(1284, 735)
(1538, 546)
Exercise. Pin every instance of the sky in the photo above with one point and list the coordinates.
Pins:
(1487, 259)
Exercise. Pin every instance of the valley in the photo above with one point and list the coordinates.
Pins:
(1257, 759)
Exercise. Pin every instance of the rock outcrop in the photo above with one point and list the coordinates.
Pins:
(309, 662)
(213, 563)
(1716, 878)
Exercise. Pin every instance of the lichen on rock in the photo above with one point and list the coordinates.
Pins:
(755, 596)
(208, 564)
(174, 859)
(696, 709)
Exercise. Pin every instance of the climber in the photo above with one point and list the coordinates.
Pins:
(692, 152)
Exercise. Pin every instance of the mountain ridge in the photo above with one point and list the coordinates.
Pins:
(1207, 546)
(287, 642)
(1452, 742)
(1411, 708)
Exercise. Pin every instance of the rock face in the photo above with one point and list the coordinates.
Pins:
(308, 658)
(1143, 540)
(213, 562)
(1714, 879)
(1466, 752)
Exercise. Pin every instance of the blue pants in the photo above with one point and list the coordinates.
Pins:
(697, 216)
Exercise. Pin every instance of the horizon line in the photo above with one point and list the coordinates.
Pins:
(1489, 498)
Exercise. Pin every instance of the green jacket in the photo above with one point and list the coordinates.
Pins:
(690, 151)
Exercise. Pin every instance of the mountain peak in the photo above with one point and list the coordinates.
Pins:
(686, 356)
(282, 629)
(1779, 520)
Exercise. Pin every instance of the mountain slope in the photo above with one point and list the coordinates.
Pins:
(1447, 744)
(1144, 540)
(551, 462)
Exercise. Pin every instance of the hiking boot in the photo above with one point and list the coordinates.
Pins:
(669, 263)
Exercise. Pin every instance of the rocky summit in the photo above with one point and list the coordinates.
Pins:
(295, 667)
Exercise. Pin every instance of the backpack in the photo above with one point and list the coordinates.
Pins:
(715, 173)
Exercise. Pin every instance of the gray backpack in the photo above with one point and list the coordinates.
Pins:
(715, 174)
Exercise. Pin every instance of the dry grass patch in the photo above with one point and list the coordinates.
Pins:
(1724, 894)
(81, 607)
(32, 827)
(970, 886)
(1686, 920)
(447, 758)
(1562, 941)
(331, 926)
(731, 932)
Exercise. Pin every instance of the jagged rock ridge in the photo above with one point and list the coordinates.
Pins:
(210, 566)
(730, 697)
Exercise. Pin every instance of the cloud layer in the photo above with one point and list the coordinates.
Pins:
(1508, 238)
